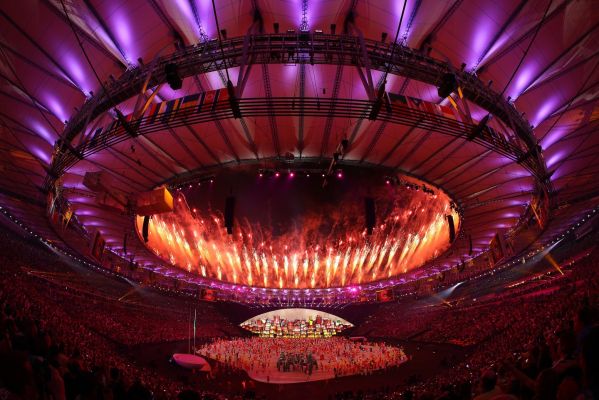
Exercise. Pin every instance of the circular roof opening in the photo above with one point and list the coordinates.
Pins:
(303, 228)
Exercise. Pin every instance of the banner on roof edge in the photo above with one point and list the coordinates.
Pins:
(219, 100)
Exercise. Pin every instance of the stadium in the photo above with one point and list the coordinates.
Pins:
(301, 199)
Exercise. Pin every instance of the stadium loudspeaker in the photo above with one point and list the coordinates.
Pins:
(370, 214)
(448, 85)
(451, 228)
(477, 130)
(172, 76)
(229, 213)
(145, 228)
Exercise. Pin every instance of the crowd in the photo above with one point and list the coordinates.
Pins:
(125, 313)
(65, 342)
(338, 355)
(50, 351)
(538, 345)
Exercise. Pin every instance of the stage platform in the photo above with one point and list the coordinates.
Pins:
(261, 358)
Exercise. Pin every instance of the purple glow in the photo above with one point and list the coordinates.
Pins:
(544, 111)
(77, 72)
(522, 81)
(41, 130)
(167, 93)
(185, 8)
(39, 153)
(555, 158)
(207, 17)
(81, 200)
(554, 136)
(125, 37)
(480, 40)
(297, 10)
(108, 42)
(214, 80)
(85, 213)
(56, 107)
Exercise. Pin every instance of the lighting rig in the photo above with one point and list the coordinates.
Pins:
(395, 181)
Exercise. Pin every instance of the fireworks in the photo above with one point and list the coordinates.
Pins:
(321, 249)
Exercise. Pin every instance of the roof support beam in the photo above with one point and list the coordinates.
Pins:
(100, 47)
(35, 65)
(431, 35)
(564, 53)
(460, 168)
(105, 27)
(500, 32)
(39, 47)
(522, 38)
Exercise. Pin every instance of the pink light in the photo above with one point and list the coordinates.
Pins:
(277, 174)
(260, 174)
(387, 181)
(291, 175)
(339, 175)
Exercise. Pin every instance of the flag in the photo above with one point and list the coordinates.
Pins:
(188, 102)
(152, 112)
(171, 107)
(447, 112)
(209, 99)
(222, 100)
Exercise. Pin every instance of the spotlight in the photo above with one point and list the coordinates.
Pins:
(291, 174)
(277, 174)
(339, 173)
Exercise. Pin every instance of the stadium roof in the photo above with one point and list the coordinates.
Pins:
(61, 57)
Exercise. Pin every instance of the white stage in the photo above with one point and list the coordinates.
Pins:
(191, 361)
